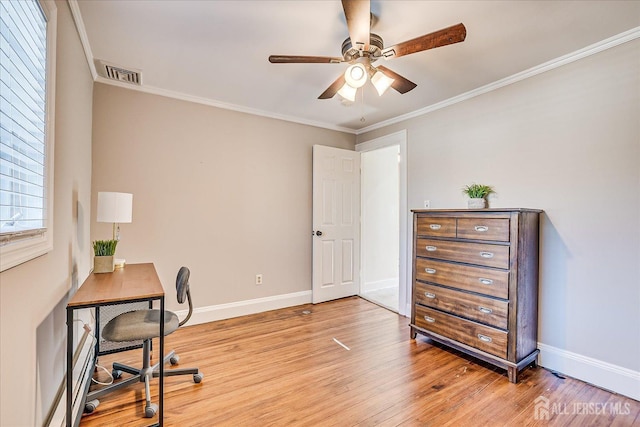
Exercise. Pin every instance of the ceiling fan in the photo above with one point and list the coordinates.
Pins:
(362, 48)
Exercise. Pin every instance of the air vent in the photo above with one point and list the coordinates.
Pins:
(115, 72)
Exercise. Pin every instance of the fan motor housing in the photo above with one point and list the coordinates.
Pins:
(349, 52)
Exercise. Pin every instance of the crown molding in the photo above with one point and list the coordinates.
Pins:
(82, 33)
(603, 45)
(224, 105)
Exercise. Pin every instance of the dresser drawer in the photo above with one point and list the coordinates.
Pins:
(475, 279)
(483, 229)
(475, 307)
(436, 227)
(470, 253)
(485, 338)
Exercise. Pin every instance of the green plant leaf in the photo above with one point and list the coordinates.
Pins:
(477, 191)
(104, 247)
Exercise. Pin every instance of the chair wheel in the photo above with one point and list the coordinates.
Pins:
(150, 410)
(116, 373)
(91, 406)
(174, 359)
(197, 378)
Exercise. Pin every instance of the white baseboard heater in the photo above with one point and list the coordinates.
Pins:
(83, 366)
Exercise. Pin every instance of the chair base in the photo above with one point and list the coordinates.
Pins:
(143, 374)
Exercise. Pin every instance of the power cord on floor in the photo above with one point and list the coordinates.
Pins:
(107, 372)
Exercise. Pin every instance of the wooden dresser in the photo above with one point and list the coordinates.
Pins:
(475, 283)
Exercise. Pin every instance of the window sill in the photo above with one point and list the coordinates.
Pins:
(16, 253)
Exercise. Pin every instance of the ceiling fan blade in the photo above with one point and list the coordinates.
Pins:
(293, 59)
(446, 36)
(358, 14)
(334, 88)
(400, 84)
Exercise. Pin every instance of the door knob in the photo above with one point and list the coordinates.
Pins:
(318, 233)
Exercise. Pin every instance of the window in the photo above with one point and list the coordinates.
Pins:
(27, 65)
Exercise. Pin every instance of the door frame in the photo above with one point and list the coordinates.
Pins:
(405, 269)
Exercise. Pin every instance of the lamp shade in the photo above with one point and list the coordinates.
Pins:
(381, 82)
(114, 207)
(348, 92)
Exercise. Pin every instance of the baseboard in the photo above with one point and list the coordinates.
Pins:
(601, 374)
(379, 284)
(243, 308)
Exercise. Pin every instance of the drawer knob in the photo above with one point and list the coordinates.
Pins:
(484, 338)
(485, 310)
(429, 319)
(485, 281)
(481, 228)
(435, 226)
(429, 295)
(431, 248)
(486, 254)
(430, 270)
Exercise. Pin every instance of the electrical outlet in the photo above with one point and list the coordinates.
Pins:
(427, 204)
(258, 279)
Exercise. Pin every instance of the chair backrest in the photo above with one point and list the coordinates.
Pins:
(182, 288)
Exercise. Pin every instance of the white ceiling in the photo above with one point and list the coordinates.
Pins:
(216, 51)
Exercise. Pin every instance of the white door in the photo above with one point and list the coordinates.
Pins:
(336, 223)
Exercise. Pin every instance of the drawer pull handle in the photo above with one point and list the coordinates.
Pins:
(484, 338)
(435, 226)
(485, 310)
(431, 248)
(429, 319)
(481, 228)
(485, 281)
(429, 295)
(430, 270)
(486, 254)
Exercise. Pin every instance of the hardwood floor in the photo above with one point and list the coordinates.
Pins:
(284, 368)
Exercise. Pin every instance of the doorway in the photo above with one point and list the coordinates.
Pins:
(384, 215)
(380, 226)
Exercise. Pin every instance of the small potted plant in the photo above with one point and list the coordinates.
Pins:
(477, 195)
(103, 251)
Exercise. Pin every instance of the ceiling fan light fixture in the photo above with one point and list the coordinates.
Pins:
(348, 92)
(381, 82)
(356, 75)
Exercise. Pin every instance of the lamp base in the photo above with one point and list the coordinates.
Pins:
(119, 262)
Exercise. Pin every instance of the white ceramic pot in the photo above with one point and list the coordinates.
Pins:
(476, 203)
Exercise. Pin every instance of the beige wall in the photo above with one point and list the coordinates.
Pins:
(566, 141)
(33, 295)
(225, 193)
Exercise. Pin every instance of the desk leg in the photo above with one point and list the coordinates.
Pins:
(97, 332)
(69, 365)
(160, 358)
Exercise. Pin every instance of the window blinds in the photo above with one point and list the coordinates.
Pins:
(23, 32)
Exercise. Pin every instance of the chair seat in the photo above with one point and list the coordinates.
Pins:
(139, 325)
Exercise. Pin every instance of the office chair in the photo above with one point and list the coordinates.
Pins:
(144, 325)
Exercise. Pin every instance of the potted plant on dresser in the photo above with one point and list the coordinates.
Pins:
(103, 251)
(477, 195)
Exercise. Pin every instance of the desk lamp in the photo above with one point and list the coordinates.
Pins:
(117, 209)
